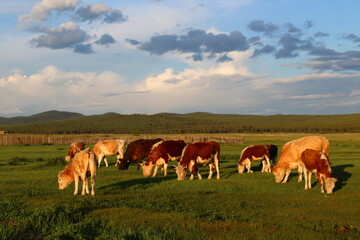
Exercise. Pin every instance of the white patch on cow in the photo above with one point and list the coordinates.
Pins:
(156, 145)
(204, 161)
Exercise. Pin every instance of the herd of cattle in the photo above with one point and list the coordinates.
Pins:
(308, 154)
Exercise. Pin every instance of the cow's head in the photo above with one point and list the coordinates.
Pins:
(63, 180)
(241, 168)
(329, 184)
(278, 173)
(123, 164)
(146, 168)
(181, 172)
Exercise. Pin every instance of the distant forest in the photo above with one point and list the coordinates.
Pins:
(169, 123)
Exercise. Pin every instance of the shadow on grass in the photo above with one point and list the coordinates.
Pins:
(140, 183)
(342, 176)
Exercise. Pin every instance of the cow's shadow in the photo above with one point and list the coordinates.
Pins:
(342, 176)
(138, 183)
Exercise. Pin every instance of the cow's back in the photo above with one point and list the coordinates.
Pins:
(203, 150)
(84, 161)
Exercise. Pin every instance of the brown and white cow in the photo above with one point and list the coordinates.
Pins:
(290, 157)
(199, 153)
(160, 155)
(254, 152)
(74, 148)
(109, 148)
(83, 165)
(318, 163)
(136, 151)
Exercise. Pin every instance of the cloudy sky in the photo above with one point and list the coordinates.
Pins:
(149, 56)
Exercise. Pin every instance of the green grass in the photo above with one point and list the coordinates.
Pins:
(129, 206)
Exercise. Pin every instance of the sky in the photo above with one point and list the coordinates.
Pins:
(149, 56)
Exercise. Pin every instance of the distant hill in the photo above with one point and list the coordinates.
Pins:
(41, 117)
(54, 122)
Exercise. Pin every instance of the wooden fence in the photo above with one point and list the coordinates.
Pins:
(66, 140)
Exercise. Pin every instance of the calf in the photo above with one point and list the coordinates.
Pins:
(318, 163)
(82, 166)
(109, 148)
(161, 153)
(75, 147)
(199, 153)
(254, 152)
(290, 157)
(136, 151)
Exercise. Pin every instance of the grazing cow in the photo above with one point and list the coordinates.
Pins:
(109, 148)
(161, 153)
(82, 166)
(199, 153)
(290, 157)
(318, 163)
(254, 152)
(136, 151)
(75, 147)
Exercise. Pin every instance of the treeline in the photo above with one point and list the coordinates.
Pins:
(166, 123)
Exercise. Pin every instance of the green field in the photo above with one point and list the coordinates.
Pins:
(129, 206)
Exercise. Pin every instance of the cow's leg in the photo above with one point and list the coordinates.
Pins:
(321, 181)
(268, 166)
(76, 179)
(211, 167)
(155, 170)
(165, 169)
(217, 167)
(248, 166)
(106, 162)
(99, 158)
(264, 168)
(84, 182)
(199, 175)
(92, 179)
(300, 172)
(287, 173)
(309, 179)
(191, 177)
(306, 176)
(87, 185)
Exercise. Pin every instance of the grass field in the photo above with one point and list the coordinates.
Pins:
(129, 206)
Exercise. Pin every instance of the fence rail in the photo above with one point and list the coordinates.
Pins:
(64, 140)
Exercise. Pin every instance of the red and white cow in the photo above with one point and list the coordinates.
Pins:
(75, 147)
(109, 148)
(161, 153)
(254, 152)
(82, 166)
(136, 151)
(290, 157)
(199, 153)
(318, 163)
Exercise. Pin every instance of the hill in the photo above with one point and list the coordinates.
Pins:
(170, 123)
(41, 117)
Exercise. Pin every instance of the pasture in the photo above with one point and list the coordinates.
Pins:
(129, 206)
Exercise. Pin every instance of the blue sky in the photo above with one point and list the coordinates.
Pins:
(149, 56)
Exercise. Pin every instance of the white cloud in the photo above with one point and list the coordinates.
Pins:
(314, 76)
(42, 10)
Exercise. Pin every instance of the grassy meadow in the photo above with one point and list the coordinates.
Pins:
(129, 206)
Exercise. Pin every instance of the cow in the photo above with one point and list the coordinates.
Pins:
(254, 152)
(75, 147)
(136, 151)
(290, 156)
(199, 153)
(161, 153)
(83, 165)
(318, 163)
(109, 148)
